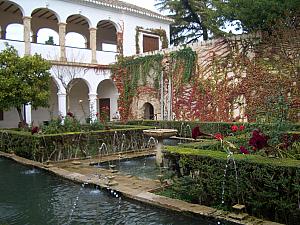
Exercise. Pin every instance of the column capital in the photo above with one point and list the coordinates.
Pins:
(92, 29)
(61, 94)
(62, 24)
(93, 95)
(26, 17)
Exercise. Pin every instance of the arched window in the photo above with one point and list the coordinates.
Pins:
(15, 32)
(47, 36)
(106, 36)
(75, 40)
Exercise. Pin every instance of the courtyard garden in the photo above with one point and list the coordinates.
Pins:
(233, 103)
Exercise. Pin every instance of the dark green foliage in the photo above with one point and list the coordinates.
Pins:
(258, 15)
(23, 80)
(55, 126)
(193, 19)
(186, 58)
(268, 187)
(70, 145)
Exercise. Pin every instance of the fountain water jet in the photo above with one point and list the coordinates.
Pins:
(160, 134)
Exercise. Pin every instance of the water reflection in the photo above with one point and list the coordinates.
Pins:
(45, 199)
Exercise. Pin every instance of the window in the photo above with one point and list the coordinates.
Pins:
(150, 43)
(1, 114)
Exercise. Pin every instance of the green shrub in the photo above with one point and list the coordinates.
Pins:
(269, 187)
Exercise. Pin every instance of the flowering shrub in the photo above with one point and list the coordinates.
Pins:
(258, 140)
(34, 130)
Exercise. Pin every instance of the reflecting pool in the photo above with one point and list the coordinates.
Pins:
(142, 167)
(34, 197)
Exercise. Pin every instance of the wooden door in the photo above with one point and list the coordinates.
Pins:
(104, 108)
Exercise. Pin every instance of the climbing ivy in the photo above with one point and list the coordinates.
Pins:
(185, 59)
(130, 73)
(159, 32)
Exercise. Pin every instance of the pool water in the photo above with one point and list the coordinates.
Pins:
(142, 167)
(34, 197)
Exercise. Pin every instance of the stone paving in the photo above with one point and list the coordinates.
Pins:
(132, 187)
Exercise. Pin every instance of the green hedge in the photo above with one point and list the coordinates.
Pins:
(211, 127)
(73, 144)
(269, 187)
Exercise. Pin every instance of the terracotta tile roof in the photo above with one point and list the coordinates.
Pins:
(127, 7)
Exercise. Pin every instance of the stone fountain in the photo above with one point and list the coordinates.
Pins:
(160, 135)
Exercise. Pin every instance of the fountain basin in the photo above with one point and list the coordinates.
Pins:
(160, 134)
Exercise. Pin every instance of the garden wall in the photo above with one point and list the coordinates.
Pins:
(268, 187)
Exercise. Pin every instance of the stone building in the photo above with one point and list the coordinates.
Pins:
(81, 81)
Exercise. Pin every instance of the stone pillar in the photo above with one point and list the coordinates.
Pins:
(3, 34)
(93, 106)
(170, 100)
(62, 104)
(62, 41)
(28, 113)
(34, 38)
(162, 104)
(27, 29)
(93, 43)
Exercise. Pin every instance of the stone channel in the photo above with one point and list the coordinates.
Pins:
(132, 187)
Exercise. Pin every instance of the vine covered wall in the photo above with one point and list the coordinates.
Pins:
(247, 78)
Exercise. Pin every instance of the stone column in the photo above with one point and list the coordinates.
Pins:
(162, 104)
(93, 43)
(170, 100)
(62, 41)
(28, 113)
(62, 104)
(34, 38)
(93, 105)
(27, 29)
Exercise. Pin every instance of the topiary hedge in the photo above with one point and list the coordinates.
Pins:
(211, 127)
(268, 187)
(73, 144)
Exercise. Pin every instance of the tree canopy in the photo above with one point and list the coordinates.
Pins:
(23, 80)
(195, 19)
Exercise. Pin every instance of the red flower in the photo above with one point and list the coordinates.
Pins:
(34, 130)
(196, 132)
(242, 127)
(244, 150)
(70, 114)
(234, 128)
(258, 140)
(218, 136)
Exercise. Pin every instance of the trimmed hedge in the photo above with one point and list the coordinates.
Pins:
(73, 144)
(268, 187)
(210, 127)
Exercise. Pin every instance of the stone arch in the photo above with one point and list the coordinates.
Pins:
(148, 111)
(51, 33)
(10, 13)
(14, 31)
(43, 18)
(42, 115)
(78, 100)
(71, 36)
(108, 96)
(106, 35)
(79, 24)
